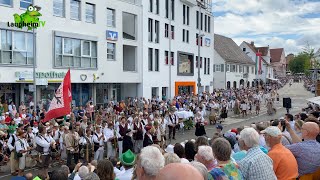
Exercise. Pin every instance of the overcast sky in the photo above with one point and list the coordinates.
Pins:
(279, 23)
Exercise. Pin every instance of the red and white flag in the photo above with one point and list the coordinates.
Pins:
(60, 104)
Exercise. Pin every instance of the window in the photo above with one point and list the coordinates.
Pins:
(252, 70)
(150, 5)
(58, 8)
(16, 48)
(188, 13)
(90, 13)
(172, 9)
(205, 65)
(172, 32)
(166, 30)
(150, 59)
(156, 29)
(184, 14)
(240, 69)
(86, 48)
(172, 58)
(248, 70)
(6, 3)
(208, 60)
(244, 49)
(150, 30)
(205, 23)
(218, 68)
(157, 6)
(156, 59)
(201, 21)
(185, 36)
(75, 9)
(197, 62)
(228, 68)
(197, 19)
(167, 8)
(111, 51)
(23, 3)
(75, 53)
(197, 40)
(166, 54)
(129, 24)
(111, 17)
(185, 64)
(209, 24)
(233, 68)
(129, 58)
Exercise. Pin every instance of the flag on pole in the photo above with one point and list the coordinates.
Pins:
(259, 64)
(60, 104)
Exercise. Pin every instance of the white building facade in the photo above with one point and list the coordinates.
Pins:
(100, 41)
(182, 20)
(266, 67)
(106, 46)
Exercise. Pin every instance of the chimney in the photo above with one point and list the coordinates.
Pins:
(252, 43)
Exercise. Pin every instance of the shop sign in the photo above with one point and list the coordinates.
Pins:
(208, 42)
(112, 35)
(28, 75)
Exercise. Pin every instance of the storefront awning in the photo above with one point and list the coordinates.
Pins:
(315, 100)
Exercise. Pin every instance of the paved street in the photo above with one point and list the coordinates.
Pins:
(297, 93)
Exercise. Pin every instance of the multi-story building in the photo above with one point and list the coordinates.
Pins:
(100, 41)
(106, 46)
(278, 61)
(261, 56)
(170, 36)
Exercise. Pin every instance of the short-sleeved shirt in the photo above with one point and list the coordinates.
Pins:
(284, 163)
(257, 165)
(307, 154)
(229, 171)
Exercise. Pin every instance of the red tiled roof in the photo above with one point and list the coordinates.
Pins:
(275, 54)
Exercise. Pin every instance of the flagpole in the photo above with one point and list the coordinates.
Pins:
(34, 71)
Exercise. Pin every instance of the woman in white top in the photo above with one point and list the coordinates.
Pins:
(17, 119)
(200, 131)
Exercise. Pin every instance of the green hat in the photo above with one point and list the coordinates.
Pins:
(128, 158)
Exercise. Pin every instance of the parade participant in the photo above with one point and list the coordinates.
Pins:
(122, 129)
(72, 146)
(21, 148)
(112, 140)
(147, 140)
(43, 145)
(199, 120)
(35, 129)
(173, 121)
(137, 135)
(87, 147)
(30, 137)
(98, 141)
(13, 162)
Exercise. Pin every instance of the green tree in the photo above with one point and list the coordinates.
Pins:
(300, 63)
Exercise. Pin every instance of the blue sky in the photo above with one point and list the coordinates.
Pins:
(290, 24)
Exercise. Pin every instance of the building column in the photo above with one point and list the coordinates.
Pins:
(94, 93)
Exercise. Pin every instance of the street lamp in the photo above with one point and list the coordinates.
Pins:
(198, 63)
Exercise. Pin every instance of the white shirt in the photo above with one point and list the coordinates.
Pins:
(35, 130)
(126, 175)
(10, 142)
(44, 141)
(17, 120)
(21, 144)
(83, 140)
(95, 139)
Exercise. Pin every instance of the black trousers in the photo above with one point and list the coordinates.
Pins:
(75, 157)
(172, 130)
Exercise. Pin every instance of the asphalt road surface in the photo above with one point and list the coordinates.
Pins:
(296, 92)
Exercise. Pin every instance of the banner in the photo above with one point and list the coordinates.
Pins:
(60, 104)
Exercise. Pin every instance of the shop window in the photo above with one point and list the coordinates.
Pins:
(16, 48)
(75, 53)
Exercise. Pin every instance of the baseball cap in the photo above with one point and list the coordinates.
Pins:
(219, 126)
(272, 131)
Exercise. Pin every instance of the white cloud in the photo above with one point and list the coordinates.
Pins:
(278, 23)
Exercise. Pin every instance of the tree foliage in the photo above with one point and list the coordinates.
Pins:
(300, 63)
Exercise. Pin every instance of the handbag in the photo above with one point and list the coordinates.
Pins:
(17, 155)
